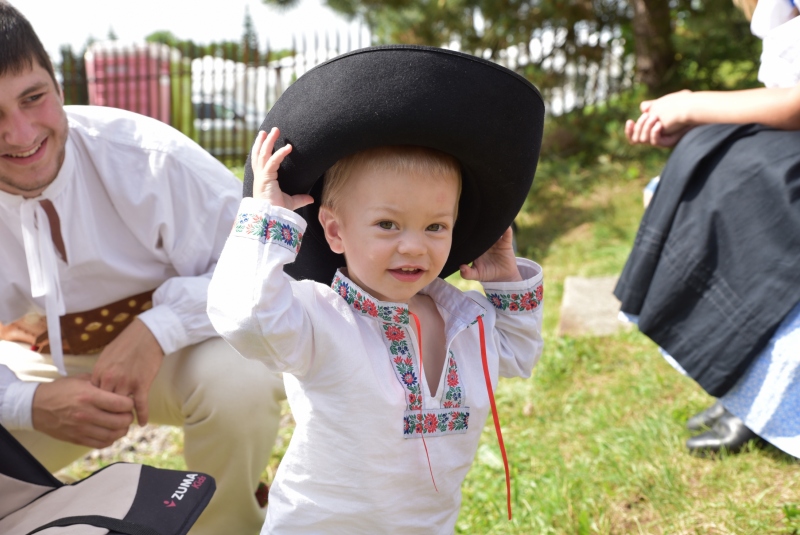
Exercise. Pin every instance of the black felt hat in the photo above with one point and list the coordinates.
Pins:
(486, 116)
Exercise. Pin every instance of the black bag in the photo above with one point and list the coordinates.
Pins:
(120, 499)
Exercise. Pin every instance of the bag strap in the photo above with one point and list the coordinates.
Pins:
(19, 463)
(112, 524)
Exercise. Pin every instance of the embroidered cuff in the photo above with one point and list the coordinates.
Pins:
(518, 297)
(259, 220)
(17, 405)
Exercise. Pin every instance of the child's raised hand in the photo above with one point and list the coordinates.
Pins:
(265, 172)
(498, 264)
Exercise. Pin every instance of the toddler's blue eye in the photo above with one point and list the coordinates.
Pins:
(435, 227)
(386, 225)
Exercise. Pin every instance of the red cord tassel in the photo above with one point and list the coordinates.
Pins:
(494, 414)
(422, 434)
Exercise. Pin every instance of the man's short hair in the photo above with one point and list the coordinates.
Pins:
(396, 158)
(19, 44)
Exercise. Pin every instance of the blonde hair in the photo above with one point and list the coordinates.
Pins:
(409, 159)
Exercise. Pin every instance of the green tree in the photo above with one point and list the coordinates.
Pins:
(674, 43)
(250, 45)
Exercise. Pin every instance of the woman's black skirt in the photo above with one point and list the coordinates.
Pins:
(716, 262)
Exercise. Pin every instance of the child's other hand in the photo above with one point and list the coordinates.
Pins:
(265, 172)
(498, 264)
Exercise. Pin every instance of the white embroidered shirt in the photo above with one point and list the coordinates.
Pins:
(355, 463)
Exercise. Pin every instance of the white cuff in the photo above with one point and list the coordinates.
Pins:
(167, 327)
(18, 405)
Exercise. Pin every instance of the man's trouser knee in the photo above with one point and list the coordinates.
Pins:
(229, 408)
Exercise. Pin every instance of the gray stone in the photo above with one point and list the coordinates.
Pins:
(589, 307)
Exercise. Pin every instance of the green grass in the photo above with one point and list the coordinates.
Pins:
(596, 437)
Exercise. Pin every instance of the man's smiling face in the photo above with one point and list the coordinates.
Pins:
(33, 131)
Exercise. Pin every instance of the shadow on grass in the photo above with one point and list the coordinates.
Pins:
(564, 197)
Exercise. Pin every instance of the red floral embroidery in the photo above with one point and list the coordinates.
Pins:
(453, 397)
(395, 334)
(452, 379)
(516, 302)
(370, 308)
(268, 230)
(431, 422)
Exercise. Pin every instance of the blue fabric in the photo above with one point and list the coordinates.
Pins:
(767, 397)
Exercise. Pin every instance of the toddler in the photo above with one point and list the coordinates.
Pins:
(388, 369)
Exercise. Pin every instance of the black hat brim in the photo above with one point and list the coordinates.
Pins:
(486, 116)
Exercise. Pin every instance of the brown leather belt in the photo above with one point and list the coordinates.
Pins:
(82, 333)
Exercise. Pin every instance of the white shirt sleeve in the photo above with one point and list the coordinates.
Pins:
(193, 207)
(518, 319)
(252, 303)
(16, 400)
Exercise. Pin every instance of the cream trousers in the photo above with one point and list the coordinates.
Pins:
(228, 406)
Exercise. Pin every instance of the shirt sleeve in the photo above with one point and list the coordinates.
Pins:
(518, 319)
(16, 401)
(252, 303)
(192, 204)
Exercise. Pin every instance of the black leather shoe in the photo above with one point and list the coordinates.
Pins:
(728, 432)
(703, 421)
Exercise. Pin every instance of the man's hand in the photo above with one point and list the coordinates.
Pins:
(265, 172)
(73, 410)
(128, 366)
(498, 264)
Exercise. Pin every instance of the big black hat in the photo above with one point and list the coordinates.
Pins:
(486, 116)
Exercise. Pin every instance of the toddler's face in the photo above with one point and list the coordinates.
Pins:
(395, 231)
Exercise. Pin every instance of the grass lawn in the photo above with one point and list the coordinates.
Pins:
(596, 437)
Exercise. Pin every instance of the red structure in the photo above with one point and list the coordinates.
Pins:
(133, 77)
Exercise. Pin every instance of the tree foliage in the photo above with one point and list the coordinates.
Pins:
(247, 49)
(675, 43)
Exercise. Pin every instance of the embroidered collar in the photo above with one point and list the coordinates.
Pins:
(363, 303)
(461, 309)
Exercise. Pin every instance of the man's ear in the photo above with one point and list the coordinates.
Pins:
(330, 224)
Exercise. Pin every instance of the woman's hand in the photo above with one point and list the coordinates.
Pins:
(663, 122)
